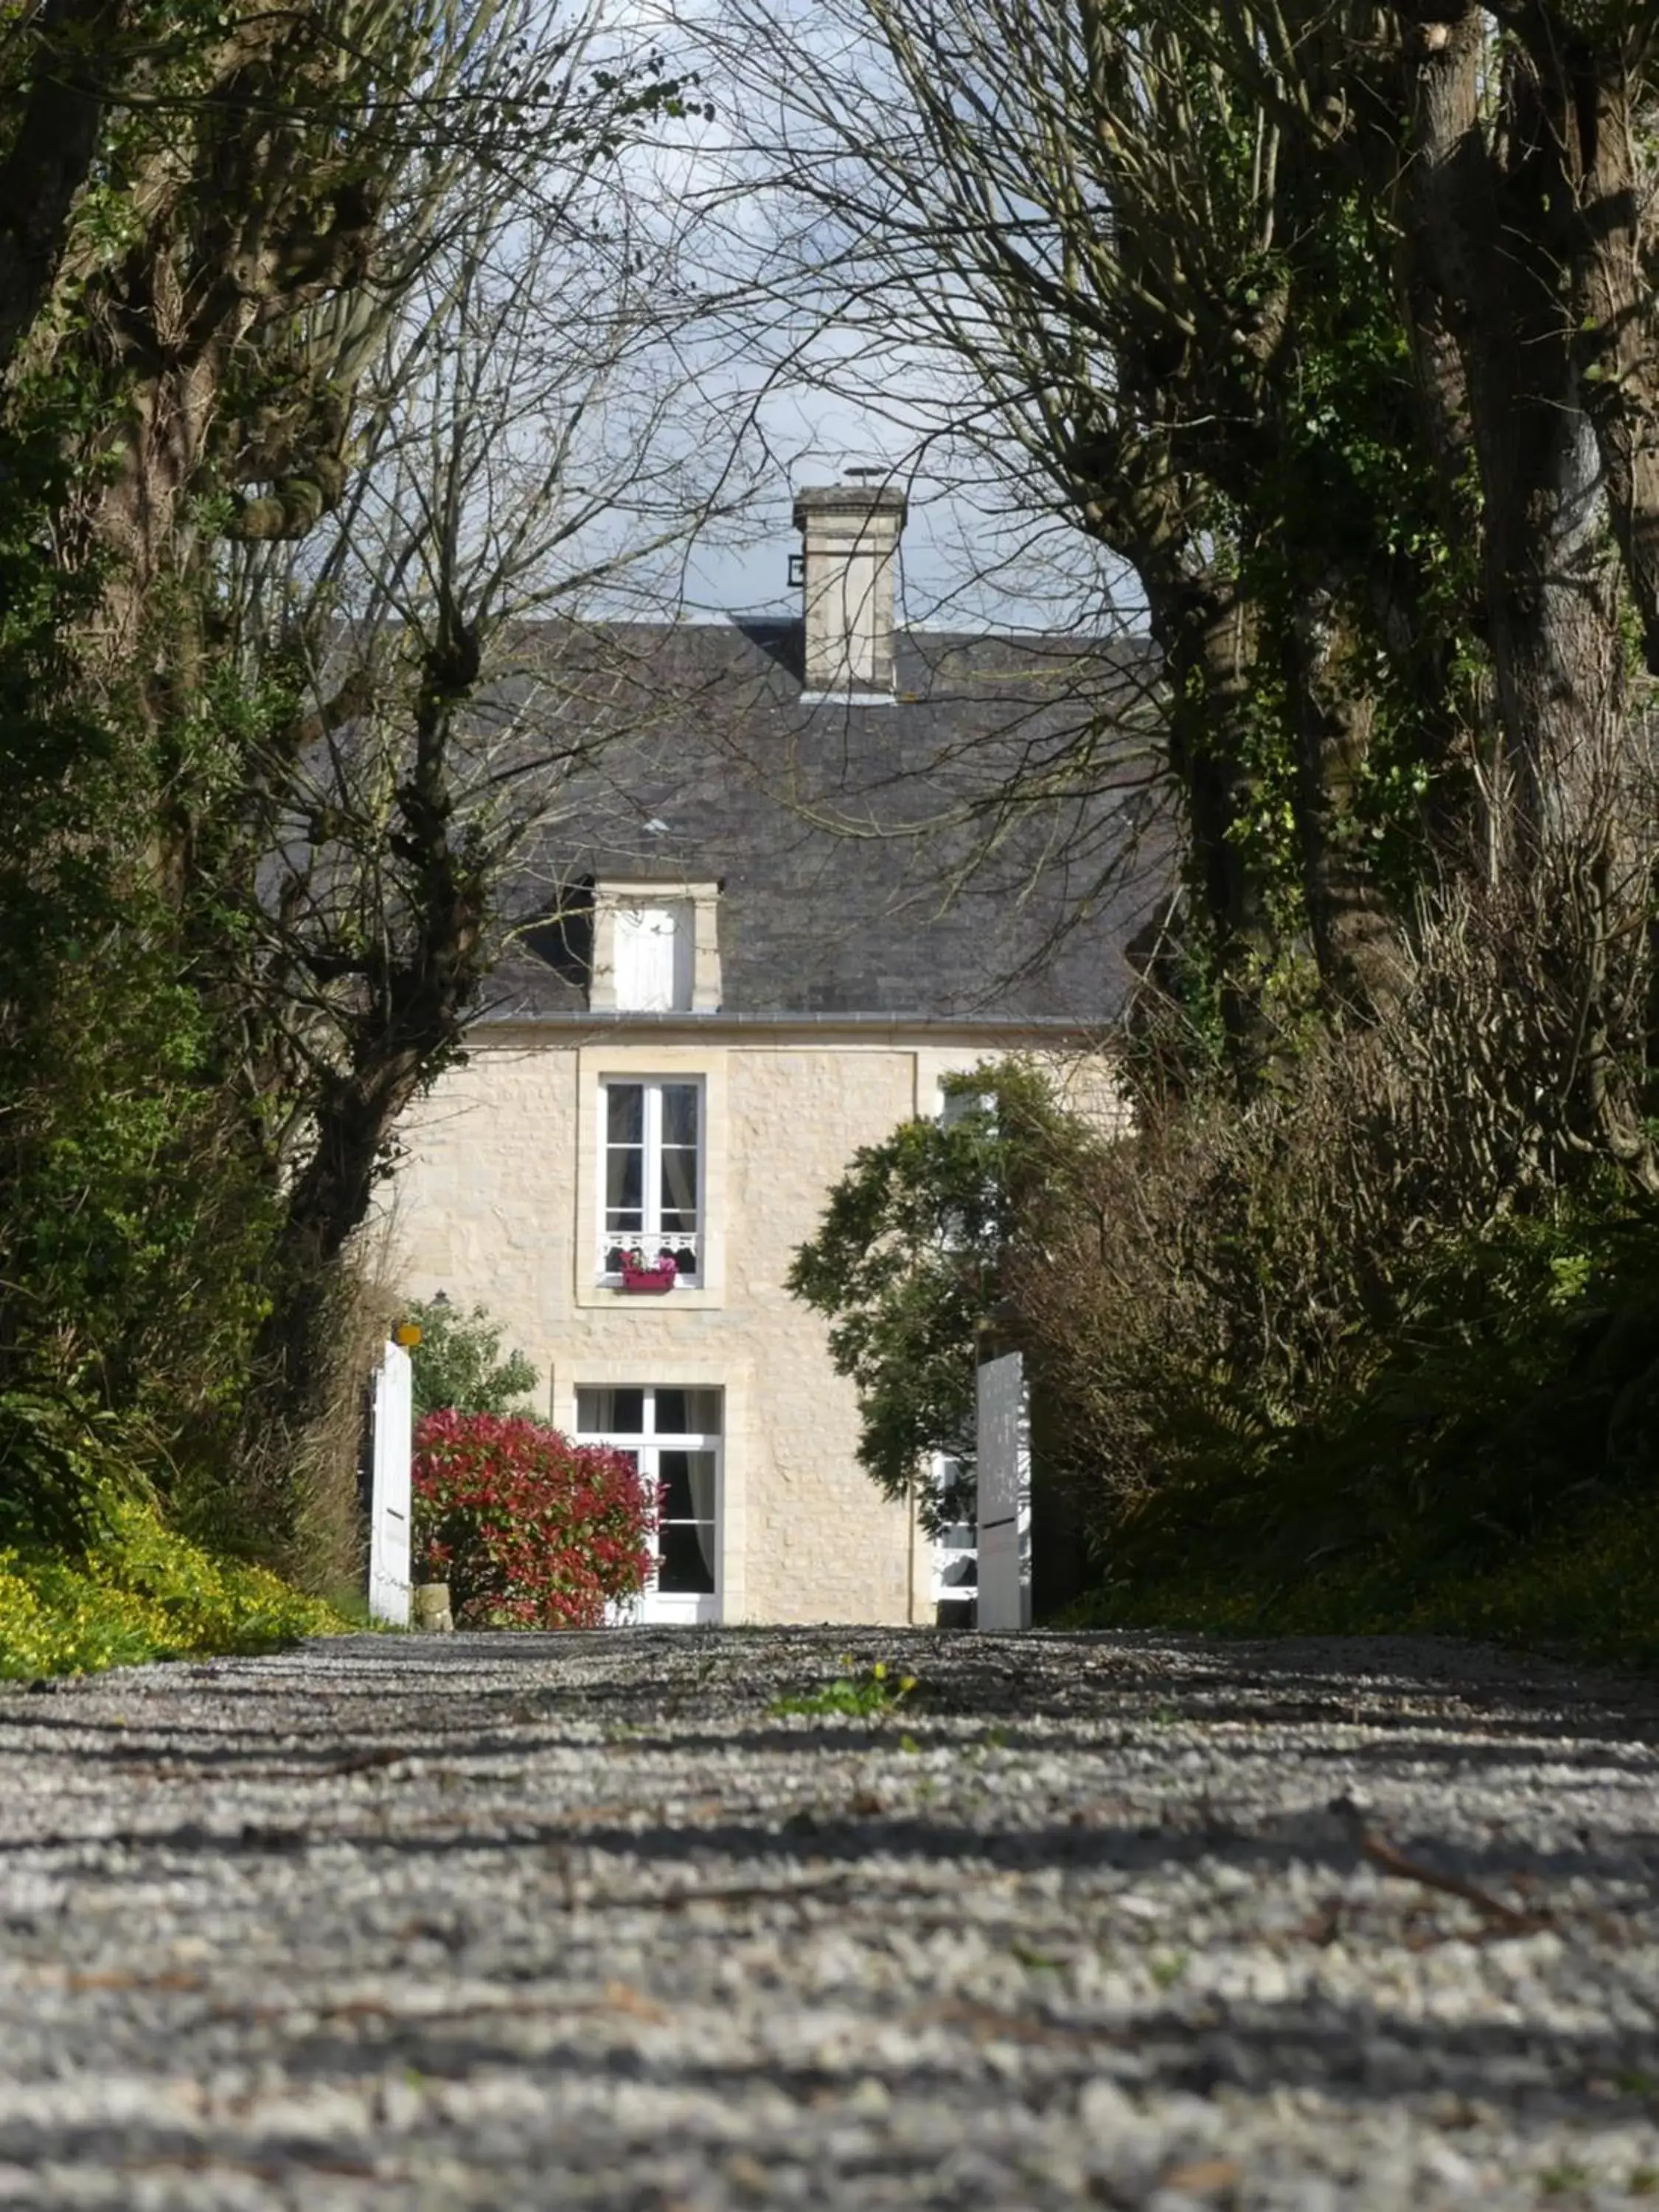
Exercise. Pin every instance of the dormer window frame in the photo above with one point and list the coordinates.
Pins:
(699, 900)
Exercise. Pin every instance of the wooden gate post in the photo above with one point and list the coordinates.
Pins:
(389, 1498)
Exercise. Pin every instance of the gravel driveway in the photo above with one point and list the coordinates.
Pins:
(583, 1920)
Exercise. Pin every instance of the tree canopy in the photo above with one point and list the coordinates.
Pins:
(914, 1258)
(1335, 327)
(293, 432)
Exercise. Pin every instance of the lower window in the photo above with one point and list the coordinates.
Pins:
(956, 1556)
(672, 1435)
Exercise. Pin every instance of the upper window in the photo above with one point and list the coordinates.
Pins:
(653, 956)
(655, 949)
(652, 1182)
(956, 1105)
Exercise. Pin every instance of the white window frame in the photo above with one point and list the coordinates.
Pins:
(651, 1235)
(659, 1607)
(957, 1548)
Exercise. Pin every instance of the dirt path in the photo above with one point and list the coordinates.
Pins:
(1138, 1923)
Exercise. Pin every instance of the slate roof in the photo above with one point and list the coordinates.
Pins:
(874, 861)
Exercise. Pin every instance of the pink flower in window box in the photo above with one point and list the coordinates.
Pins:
(651, 1277)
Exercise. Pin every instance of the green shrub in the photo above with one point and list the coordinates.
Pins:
(913, 1256)
(529, 1529)
(1589, 1587)
(137, 1592)
(1484, 1460)
(459, 1366)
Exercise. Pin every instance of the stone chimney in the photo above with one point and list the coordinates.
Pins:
(850, 533)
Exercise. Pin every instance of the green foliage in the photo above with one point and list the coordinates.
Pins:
(1457, 1431)
(459, 1364)
(61, 1457)
(908, 1263)
(139, 1592)
(133, 1220)
(1586, 1585)
(876, 1695)
(528, 1529)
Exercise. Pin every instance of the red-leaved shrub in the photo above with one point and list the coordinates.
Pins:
(529, 1529)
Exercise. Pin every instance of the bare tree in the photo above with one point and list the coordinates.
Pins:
(1061, 217)
(527, 449)
(1364, 462)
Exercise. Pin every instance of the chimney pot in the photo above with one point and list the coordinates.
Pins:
(850, 533)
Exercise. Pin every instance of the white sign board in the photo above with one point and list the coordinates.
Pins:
(389, 1500)
(1004, 1478)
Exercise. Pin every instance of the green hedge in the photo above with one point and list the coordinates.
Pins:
(1587, 1589)
(140, 1592)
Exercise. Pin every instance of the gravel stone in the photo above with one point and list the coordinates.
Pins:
(1148, 1922)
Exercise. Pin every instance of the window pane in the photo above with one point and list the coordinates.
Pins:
(684, 1567)
(679, 1113)
(674, 1471)
(704, 1413)
(687, 1413)
(624, 1187)
(609, 1413)
(625, 1113)
(670, 1413)
(680, 1188)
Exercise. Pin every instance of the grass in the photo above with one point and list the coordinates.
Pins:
(872, 1696)
(142, 1592)
(1588, 1589)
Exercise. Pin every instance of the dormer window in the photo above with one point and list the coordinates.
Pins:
(653, 956)
(656, 949)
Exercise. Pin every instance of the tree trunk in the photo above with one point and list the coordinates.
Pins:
(1613, 307)
(1333, 709)
(1492, 210)
(1208, 631)
(52, 152)
(412, 995)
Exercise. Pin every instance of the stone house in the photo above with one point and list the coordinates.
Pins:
(785, 902)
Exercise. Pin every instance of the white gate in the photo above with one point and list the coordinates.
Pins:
(389, 1497)
(1003, 1475)
(954, 1560)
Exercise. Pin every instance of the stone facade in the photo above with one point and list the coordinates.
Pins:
(783, 877)
(498, 1202)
